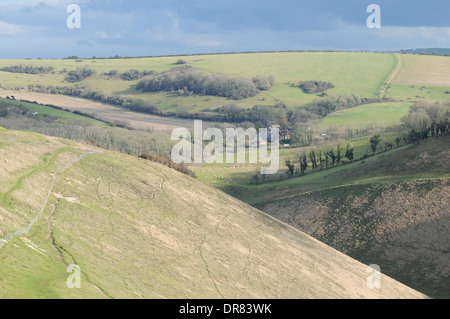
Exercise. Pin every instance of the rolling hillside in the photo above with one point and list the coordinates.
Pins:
(402, 79)
(359, 73)
(141, 230)
(391, 210)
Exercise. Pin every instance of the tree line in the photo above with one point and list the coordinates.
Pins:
(313, 87)
(132, 142)
(188, 80)
(324, 157)
(151, 145)
(118, 100)
(230, 112)
(129, 75)
(298, 120)
(27, 69)
(427, 120)
(80, 74)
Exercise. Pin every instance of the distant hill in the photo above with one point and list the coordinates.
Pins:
(138, 229)
(437, 51)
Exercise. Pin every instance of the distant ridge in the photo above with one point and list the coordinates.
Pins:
(429, 51)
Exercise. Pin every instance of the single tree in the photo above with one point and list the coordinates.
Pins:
(291, 168)
(332, 156)
(339, 154)
(303, 164)
(374, 142)
(313, 159)
(349, 152)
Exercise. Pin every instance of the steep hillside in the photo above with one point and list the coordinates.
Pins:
(141, 230)
(393, 210)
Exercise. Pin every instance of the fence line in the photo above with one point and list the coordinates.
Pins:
(25, 230)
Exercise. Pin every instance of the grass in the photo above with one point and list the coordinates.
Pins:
(141, 230)
(425, 70)
(359, 73)
(166, 234)
(411, 93)
(389, 209)
(57, 113)
(231, 178)
(410, 77)
(384, 167)
(367, 116)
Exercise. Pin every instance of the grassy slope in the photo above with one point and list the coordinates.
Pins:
(391, 210)
(138, 229)
(60, 114)
(369, 115)
(359, 73)
(391, 166)
(235, 179)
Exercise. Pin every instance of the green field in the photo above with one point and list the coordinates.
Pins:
(359, 73)
(384, 167)
(366, 116)
(411, 93)
(232, 177)
(54, 112)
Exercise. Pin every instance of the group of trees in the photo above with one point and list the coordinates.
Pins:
(258, 114)
(301, 120)
(130, 75)
(327, 105)
(313, 87)
(169, 163)
(133, 75)
(80, 74)
(316, 159)
(264, 83)
(320, 159)
(132, 142)
(154, 146)
(326, 157)
(119, 100)
(189, 80)
(27, 69)
(427, 120)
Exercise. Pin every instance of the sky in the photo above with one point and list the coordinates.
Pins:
(38, 28)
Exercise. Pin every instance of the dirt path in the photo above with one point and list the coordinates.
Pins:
(25, 230)
(398, 68)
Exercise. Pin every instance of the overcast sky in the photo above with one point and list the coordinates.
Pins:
(37, 28)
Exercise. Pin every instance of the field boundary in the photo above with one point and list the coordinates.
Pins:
(399, 63)
(25, 230)
(398, 68)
